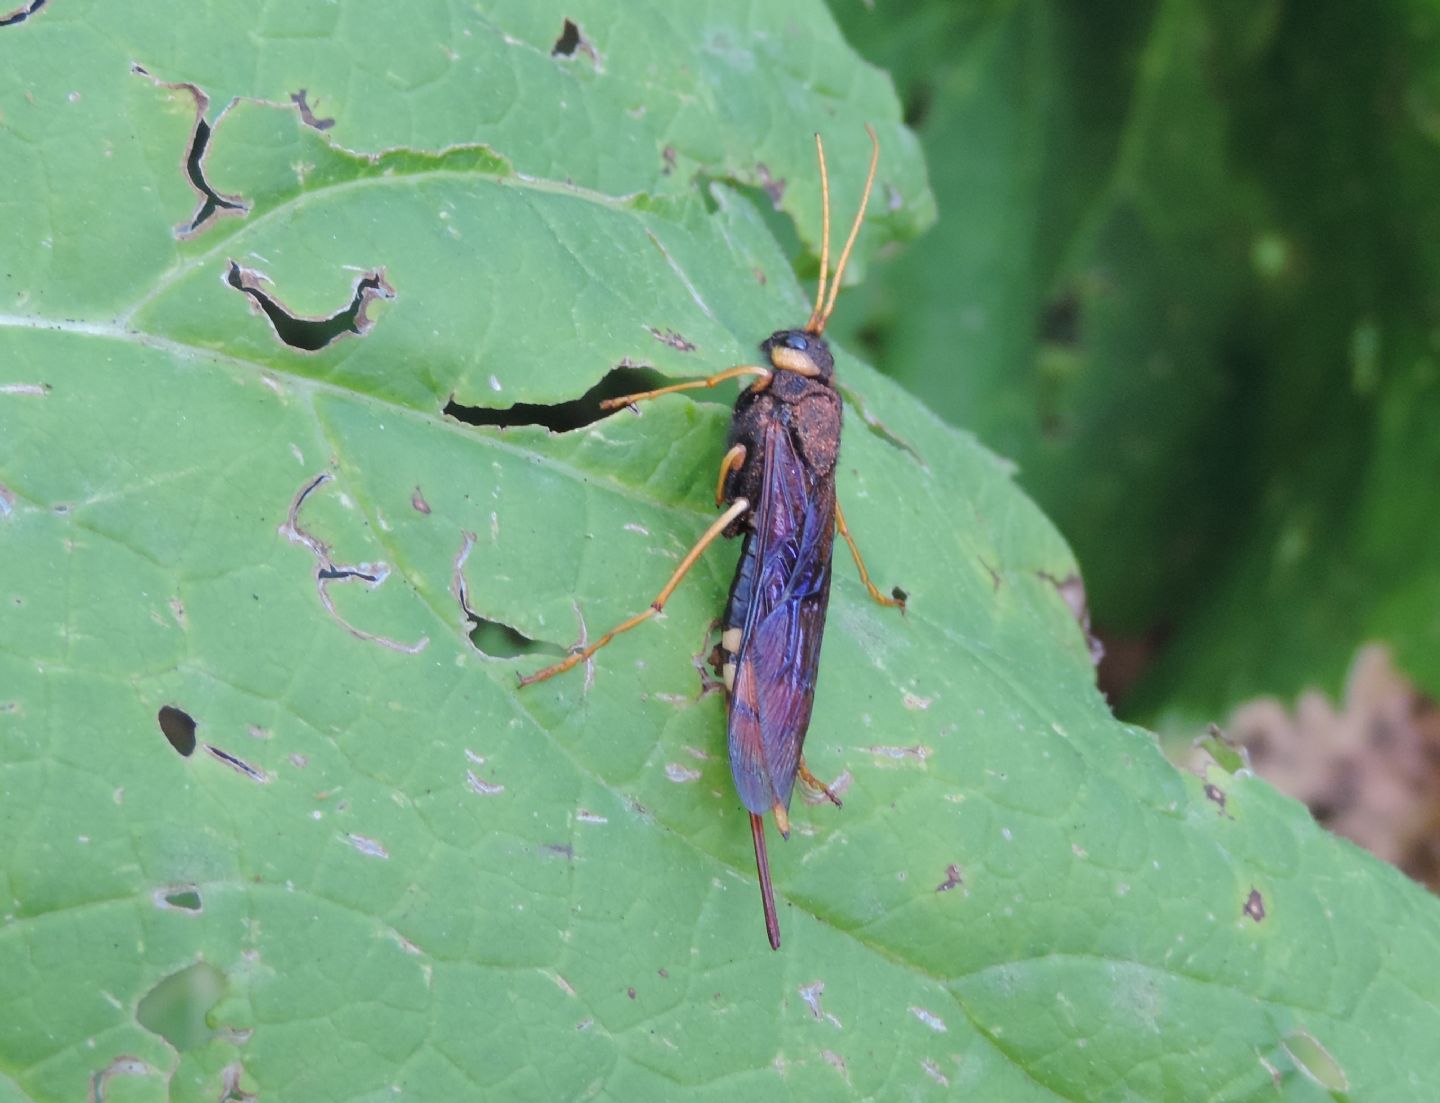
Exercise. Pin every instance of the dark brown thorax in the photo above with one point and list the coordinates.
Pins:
(801, 397)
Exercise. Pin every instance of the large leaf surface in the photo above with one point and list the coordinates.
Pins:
(385, 869)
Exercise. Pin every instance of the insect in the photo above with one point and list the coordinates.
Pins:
(777, 488)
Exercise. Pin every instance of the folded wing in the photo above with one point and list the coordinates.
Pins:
(779, 654)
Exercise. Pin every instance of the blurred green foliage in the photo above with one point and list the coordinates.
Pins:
(1187, 276)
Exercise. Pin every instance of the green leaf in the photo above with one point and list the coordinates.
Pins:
(384, 869)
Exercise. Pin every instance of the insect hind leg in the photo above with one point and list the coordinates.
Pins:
(815, 783)
(691, 557)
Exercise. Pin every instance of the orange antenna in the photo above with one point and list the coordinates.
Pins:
(824, 238)
(818, 326)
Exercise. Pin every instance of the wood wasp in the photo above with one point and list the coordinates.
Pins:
(777, 488)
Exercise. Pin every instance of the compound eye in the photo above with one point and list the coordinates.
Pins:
(796, 342)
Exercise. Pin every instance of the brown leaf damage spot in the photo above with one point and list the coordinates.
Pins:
(328, 572)
(178, 727)
(239, 765)
(306, 333)
(772, 187)
(417, 500)
(1071, 589)
(1254, 906)
(671, 339)
(307, 116)
(22, 13)
(1216, 795)
(954, 878)
(213, 205)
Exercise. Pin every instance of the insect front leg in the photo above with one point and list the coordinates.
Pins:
(843, 529)
(710, 381)
(739, 506)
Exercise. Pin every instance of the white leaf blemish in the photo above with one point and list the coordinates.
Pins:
(933, 1021)
(481, 786)
(367, 846)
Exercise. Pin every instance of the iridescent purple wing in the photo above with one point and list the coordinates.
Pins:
(779, 653)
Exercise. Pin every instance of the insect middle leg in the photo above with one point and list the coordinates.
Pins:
(898, 600)
(739, 506)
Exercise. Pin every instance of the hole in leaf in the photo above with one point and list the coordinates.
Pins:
(568, 42)
(562, 417)
(22, 13)
(501, 641)
(311, 334)
(177, 1007)
(185, 899)
(212, 202)
(179, 728)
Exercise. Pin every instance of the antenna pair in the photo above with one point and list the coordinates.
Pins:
(820, 316)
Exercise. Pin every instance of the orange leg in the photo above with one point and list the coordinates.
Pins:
(733, 459)
(844, 530)
(815, 783)
(740, 506)
(712, 381)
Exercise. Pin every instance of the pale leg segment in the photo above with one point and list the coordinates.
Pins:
(733, 459)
